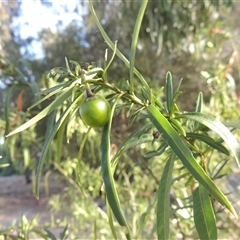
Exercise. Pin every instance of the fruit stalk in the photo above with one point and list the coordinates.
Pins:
(89, 92)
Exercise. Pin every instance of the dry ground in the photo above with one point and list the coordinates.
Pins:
(16, 199)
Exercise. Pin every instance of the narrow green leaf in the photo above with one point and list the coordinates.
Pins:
(131, 142)
(163, 204)
(47, 142)
(178, 126)
(112, 45)
(63, 234)
(146, 93)
(67, 64)
(216, 126)
(145, 215)
(107, 175)
(218, 168)
(92, 73)
(133, 117)
(169, 92)
(35, 90)
(39, 233)
(176, 95)
(178, 86)
(137, 27)
(204, 217)
(52, 89)
(50, 234)
(210, 141)
(46, 97)
(179, 147)
(110, 220)
(59, 141)
(155, 98)
(56, 103)
(157, 152)
(199, 102)
(111, 60)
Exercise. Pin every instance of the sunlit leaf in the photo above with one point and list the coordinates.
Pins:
(52, 89)
(52, 93)
(178, 126)
(179, 147)
(216, 126)
(92, 73)
(46, 111)
(136, 31)
(112, 45)
(47, 142)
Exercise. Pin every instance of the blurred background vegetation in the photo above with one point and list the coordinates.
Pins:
(195, 40)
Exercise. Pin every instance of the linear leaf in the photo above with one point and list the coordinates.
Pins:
(210, 141)
(56, 103)
(199, 104)
(137, 27)
(47, 142)
(131, 141)
(45, 97)
(54, 89)
(110, 220)
(50, 234)
(179, 147)
(216, 126)
(204, 217)
(157, 152)
(145, 215)
(163, 204)
(112, 45)
(63, 234)
(169, 92)
(107, 175)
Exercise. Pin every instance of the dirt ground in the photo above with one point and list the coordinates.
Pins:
(16, 199)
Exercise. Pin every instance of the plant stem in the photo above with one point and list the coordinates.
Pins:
(89, 92)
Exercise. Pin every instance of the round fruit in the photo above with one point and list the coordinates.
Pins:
(95, 111)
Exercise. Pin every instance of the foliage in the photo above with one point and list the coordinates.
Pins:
(162, 149)
(182, 141)
(28, 229)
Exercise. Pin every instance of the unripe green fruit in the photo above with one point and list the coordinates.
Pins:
(95, 111)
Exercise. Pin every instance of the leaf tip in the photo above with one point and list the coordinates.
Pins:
(233, 212)
(9, 134)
